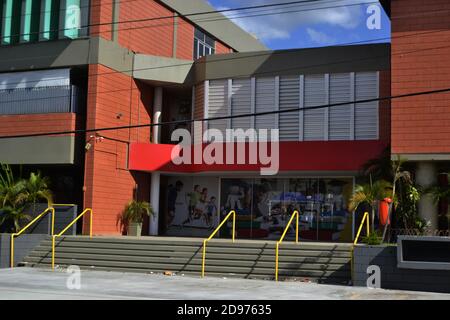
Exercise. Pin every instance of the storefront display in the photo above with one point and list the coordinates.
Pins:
(263, 206)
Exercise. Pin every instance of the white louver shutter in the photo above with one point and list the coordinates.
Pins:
(366, 114)
(315, 95)
(340, 116)
(241, 103)
(265, 101)
(218, 104)
(289, 99)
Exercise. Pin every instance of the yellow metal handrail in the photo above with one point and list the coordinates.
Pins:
(364, 219)
(14, 235)
(294, 214)
(67, 228)
(232, 213)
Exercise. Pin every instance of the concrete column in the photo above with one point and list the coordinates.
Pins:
(154, 200)
(155, 184)
(426, 175)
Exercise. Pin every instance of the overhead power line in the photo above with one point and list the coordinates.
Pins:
(260, 73)
(254, 114)
(222, 17)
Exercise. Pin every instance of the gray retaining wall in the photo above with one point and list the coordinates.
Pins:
(22, 246)
(391, 276)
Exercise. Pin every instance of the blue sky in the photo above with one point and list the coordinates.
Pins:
(312, 24)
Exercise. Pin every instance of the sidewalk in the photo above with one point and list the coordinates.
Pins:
(28, 283)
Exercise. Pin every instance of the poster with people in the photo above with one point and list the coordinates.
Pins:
(192, 206)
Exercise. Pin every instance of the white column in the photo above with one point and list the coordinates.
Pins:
(426, 175)
(155, 184)
(154, 200)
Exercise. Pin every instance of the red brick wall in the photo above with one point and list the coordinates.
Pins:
(36, 123)
(154, 37)
(222, 48)
(185, 39)
(420, 62)
(109, 186)
(101, 13)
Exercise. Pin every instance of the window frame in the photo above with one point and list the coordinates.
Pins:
(202, 39)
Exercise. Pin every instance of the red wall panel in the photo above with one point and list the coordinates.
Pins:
(222, 48)
(114, 99)
(420, 62)
(101, 16)
(36, 123)
(154, 37)
(185, 39)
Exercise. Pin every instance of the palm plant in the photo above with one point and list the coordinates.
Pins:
(17, 195)
(370, 194)
(36, 188)
(135, 211)
(12, 199)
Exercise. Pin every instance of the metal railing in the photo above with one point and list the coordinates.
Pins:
(51, 99)
(232, 213)
(277, 249)
(67, 228)
(14, 235)
(364, 219)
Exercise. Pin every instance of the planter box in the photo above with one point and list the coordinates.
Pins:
(63, 216)
(22, 247)
(393, 277)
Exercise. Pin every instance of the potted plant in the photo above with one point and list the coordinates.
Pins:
(133, 216)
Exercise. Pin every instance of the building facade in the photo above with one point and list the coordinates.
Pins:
(68, 65)
(420, 62)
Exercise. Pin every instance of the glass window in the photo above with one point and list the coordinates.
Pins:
(10, 21)
(29, 26)
(33, 20)
(49, 19)
(203, 44)
(264, 206)
(74, 18)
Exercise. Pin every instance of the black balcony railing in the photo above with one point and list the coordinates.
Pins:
(57, 99)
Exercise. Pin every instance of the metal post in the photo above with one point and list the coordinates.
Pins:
(276, 262)
(90, 226)
(203, 258)
(53, 252)
(296, 227)
(53, 221)
(12, 251)
(234, 224)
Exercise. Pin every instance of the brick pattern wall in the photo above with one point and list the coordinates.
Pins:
(101, 13)
(185, 39)
(222, 48)
(114, 99)
(154, 37)
(36, 123)
(420, 62)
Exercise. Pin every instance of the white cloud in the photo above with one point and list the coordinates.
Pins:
(282, 24)
(320, 37)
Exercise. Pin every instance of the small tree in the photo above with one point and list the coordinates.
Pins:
(370, 194)
(12, 199)
(17, 195)
(135, 211)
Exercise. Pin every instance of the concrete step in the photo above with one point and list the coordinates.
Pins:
(130, 254)
(321, 262)
(196, 268)
(183, 261)
(231, 249)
